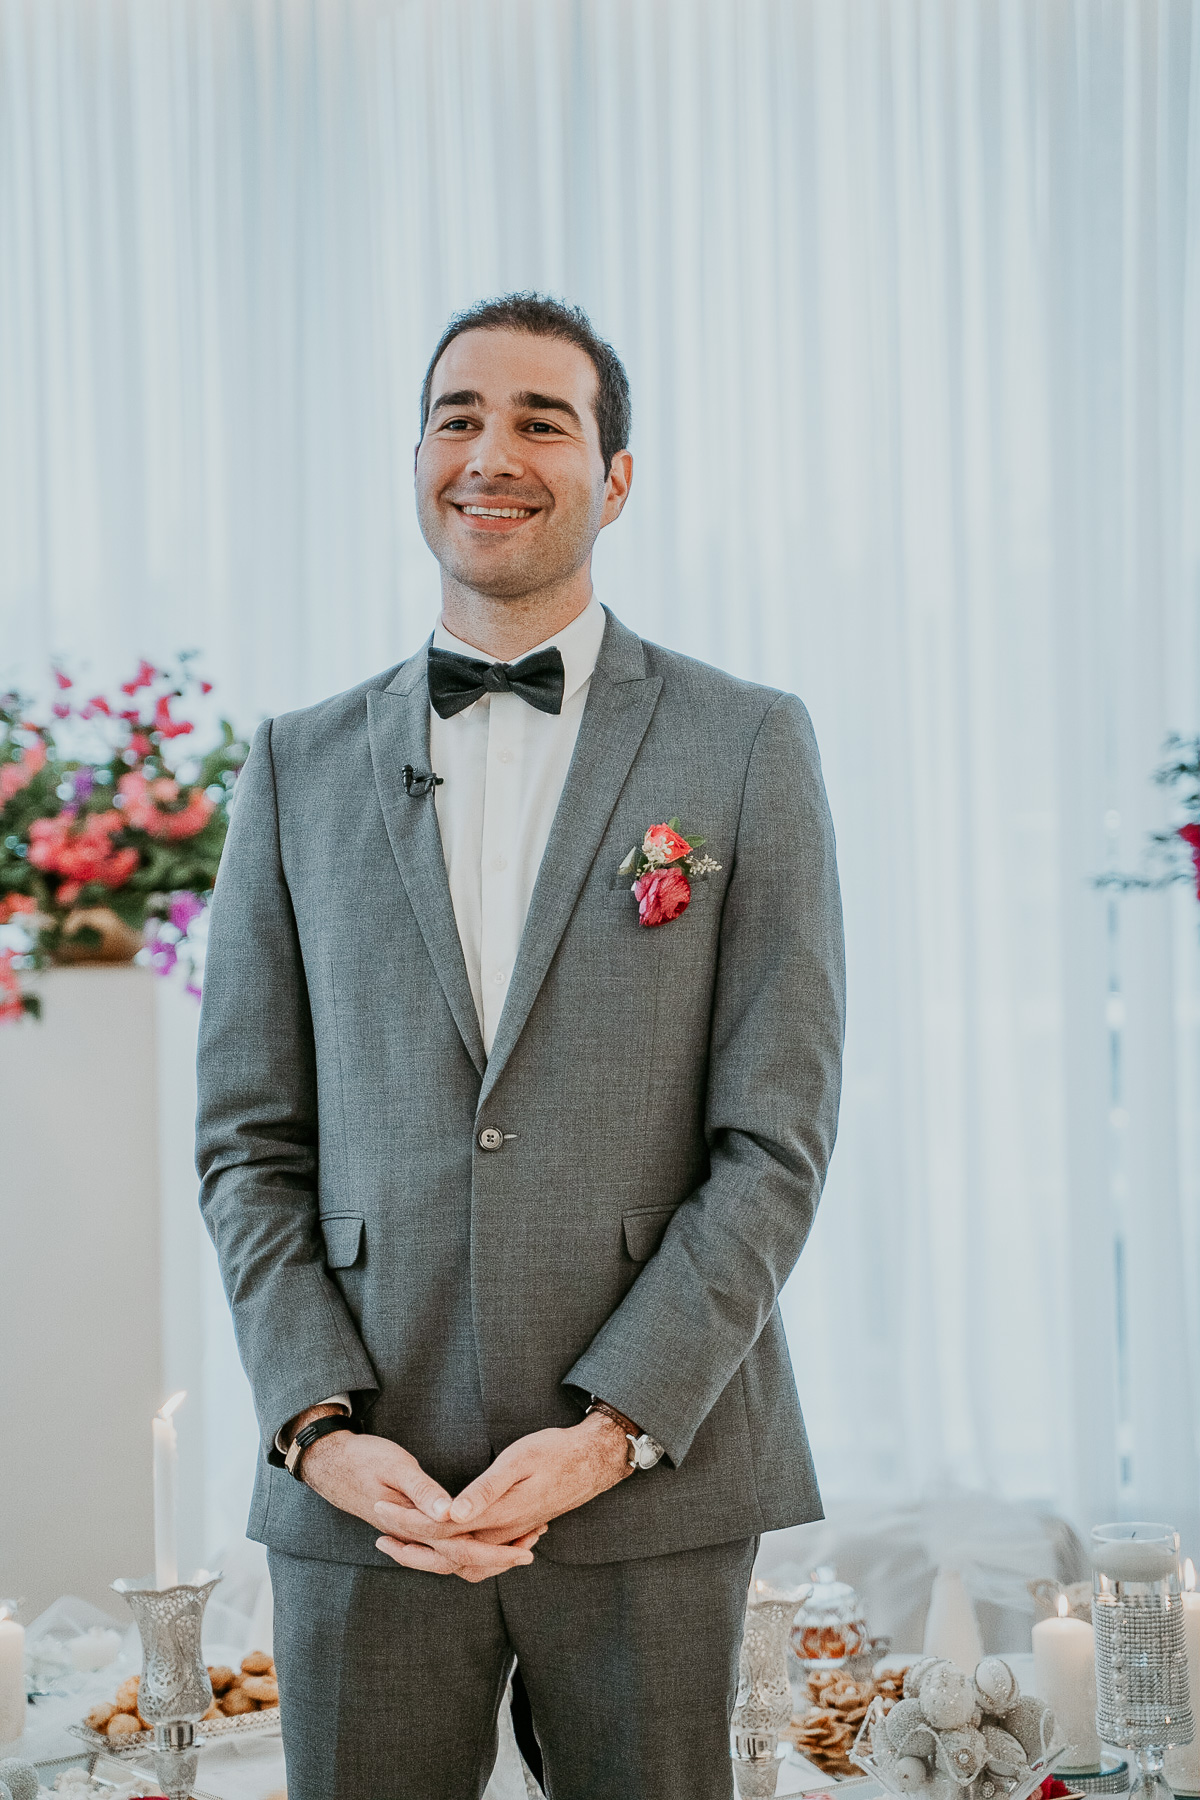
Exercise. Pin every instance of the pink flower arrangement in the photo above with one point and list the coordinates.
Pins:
(665, 865)
(124, 830)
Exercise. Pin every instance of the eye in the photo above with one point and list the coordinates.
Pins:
(543, 425)
(456, 425)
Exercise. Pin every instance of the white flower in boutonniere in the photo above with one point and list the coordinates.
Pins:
(665, 865)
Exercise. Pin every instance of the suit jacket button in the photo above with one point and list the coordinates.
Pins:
(490, 1138)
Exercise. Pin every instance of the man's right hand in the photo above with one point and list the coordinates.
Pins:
(354, 1472)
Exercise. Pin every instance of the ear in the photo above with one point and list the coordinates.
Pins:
(616, 488)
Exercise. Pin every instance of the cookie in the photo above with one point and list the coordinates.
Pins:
(257, 1663)
(100, 1715)
(222, 1678)
(122, 1725)
(262, 1689)
(237, 1700)
(127, 1694)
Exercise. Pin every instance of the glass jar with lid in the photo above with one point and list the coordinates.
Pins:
(829, 1629)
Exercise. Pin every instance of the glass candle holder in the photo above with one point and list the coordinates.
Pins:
(1142, 1694)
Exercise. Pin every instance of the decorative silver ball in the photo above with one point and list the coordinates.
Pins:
(996, 1685)
(1032, 1724)
(909, 1772)
(20, 1778)
(915, 1674)
(908, 1733)
(947, 1697)
(1006, 1756)
(962, 1753)
(6, 1791)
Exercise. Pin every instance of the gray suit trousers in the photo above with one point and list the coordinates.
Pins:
(391, 1680)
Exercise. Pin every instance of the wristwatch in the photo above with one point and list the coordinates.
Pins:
(644, 1451)
(308, 1435)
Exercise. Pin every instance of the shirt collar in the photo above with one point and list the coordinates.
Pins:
(577, 643)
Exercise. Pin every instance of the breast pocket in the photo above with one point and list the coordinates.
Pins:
(343, 1234)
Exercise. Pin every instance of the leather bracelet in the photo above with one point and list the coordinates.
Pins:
(610, 1412)
(307, 1436)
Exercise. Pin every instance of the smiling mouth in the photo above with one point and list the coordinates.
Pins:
(495, 512)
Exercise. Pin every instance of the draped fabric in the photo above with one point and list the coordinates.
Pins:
(909, 294)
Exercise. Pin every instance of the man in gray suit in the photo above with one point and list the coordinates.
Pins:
(506, 1159)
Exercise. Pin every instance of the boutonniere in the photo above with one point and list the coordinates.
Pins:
(665, 865)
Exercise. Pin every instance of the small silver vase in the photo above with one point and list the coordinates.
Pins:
(174, 1691)
(764, 1700)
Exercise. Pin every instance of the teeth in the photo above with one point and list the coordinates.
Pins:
(498, 512)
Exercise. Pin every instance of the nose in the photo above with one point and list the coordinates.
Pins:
(497, 453)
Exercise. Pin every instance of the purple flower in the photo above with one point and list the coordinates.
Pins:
(163, 957)
(182, 910)
(83, 781)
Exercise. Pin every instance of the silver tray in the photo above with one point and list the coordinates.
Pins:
(208, 1731)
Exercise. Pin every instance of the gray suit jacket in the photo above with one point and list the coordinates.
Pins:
(671, 1095)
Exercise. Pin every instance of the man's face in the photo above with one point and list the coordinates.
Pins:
(511, 487)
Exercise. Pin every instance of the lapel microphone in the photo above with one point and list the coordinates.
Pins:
(417, 786)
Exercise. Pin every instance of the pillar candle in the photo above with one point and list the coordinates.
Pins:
(1182, 1766)
(1064, 1676)
(166, 1462)
(12, 1679)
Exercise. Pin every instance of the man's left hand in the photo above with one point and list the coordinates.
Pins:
(534, 1480)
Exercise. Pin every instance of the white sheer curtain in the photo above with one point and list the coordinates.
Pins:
(909, 292)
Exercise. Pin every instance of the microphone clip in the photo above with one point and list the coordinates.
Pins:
(417, 786)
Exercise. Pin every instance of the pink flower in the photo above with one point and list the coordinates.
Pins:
(12, 904)
(81, 852)
(18, 775)
(165, 724)
(145, 675)
(1191, 837)
(144, 807)
(64, 681)
(12, 1006)
(662, 845)
(661, 894)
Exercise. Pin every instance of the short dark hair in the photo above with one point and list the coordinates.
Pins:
(541, 316)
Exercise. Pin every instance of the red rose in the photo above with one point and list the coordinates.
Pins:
(661, 894)
(662, 845)
(1191, 837)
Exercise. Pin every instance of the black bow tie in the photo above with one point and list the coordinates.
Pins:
(455, 681)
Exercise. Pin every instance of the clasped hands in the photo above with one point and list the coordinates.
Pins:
(494, 1523)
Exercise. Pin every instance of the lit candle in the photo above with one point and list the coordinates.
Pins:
(1128, 1559)
(12, 1677)
(166, 1461)
(1182, 1766)
(1064, 1676)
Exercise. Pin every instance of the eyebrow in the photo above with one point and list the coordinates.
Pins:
(527, 399)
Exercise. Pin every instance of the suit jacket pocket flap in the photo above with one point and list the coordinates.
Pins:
(343, 1238)
(644, 1230)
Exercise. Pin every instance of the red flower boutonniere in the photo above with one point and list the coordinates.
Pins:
(665, 865)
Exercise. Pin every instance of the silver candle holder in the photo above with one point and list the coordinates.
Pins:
(174, 1692)
(1142, 1691)
(764, 1698)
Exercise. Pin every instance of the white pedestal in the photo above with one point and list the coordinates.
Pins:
(81, 1320)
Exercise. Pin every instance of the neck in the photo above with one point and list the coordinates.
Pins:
(507, 628)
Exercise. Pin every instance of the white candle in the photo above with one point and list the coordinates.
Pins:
(1182, 1765)
(1064, 1676)
(166, 1462)
(12, 1679)
(1126, 1559)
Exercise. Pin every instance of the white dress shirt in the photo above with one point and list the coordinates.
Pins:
(503, 764)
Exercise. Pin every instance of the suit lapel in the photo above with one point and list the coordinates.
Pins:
(398, 724)
(620, 703)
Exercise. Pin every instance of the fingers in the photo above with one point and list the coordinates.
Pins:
(464, 1557)
(427, 1495)
(509, 1468)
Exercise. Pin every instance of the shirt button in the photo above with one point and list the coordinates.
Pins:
(499, 978)
(504, 756)
(490, 1138)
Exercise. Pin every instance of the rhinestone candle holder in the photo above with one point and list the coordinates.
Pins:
(1142, 1692)
(175, 1691)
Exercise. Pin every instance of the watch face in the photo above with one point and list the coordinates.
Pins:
(646, 1453)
